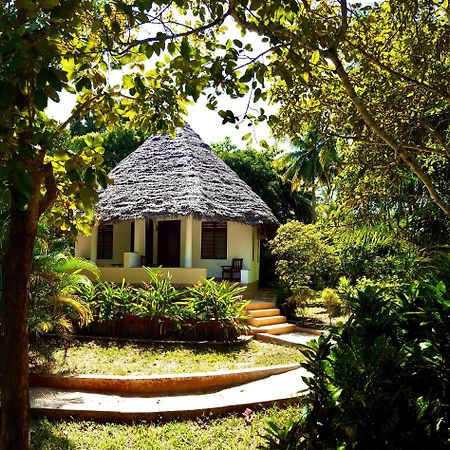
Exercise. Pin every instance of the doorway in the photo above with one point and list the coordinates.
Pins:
(169, 243)
(149, 243)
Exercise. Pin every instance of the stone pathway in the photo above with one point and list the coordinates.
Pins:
(276, 389)
(290, 339)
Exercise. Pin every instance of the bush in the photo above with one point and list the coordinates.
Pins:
(381, 380)
(375, 253)
(332, 302)
(208, 310)
(304, 256)
(349, 292)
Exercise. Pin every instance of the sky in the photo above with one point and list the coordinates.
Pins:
(207, 123)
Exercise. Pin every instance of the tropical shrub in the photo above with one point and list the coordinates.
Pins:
(56, 278)
(305, 257)
(375, 253)
(298, 300)
(55, 307)
(107, 300)
(209, 301)
(349, 292)
(332, 302)
(166, 312)
(381, 380)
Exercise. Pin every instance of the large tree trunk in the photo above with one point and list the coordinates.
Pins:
(15, 404)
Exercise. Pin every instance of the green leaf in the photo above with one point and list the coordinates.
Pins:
(315, 57)
(40, 99)
(22, 181)
(6, 94)
(185, 49)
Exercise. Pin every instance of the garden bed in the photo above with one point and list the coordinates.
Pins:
(165, 328)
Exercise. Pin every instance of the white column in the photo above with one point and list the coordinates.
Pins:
(139, 236)
(188, 243)
(94, 239)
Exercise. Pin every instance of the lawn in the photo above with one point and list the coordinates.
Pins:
(315, 316)
(116, 358)
(231, 432)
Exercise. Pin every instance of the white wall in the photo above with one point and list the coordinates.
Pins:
(242, 242)
(239, 245)
(121, 244)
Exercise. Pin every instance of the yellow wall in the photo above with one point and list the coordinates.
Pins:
(239, 245)
(137, 275)
(83, 246)
(121, 243)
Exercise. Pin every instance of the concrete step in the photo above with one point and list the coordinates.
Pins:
(261, 321)
(260, 305)
(264, 312)
(274, 329)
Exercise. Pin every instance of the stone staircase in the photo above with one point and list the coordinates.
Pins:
(267, 319)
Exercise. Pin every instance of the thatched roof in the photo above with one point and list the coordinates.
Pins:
(179, 176)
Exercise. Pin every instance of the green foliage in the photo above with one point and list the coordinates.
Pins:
(280, 437)
(257, 168)
(375, 253)
(332, 302)
(348, 292)
(305, 256)
(311, 165)
(368, 387)
(298, 300)
(117, 143)
(173, 313)
(222, 303)
(55, 306)
(107, 300)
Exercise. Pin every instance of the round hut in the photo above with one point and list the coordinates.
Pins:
(175, 204)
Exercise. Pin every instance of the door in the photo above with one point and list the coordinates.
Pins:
(149, 243)
(169, 243)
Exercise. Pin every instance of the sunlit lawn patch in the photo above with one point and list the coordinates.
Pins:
(106, 357)
(227, 433)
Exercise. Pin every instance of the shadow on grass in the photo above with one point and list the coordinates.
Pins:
(45, 436)
(46, 363)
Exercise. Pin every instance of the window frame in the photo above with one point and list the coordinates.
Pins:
(104, 232)
(216, 228)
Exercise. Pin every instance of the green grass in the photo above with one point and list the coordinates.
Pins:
(102, 357)
(317, 313)
(227, 433)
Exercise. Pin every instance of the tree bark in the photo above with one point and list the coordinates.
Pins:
(15, 403)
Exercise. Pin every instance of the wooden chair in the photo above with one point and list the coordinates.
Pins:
(236, 267)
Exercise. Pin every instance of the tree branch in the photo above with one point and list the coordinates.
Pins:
(400, 75)
(381, 133)
(417, 148)
(51, 189)
(342, 31)
(166, 37)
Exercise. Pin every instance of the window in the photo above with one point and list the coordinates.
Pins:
(214, 240)
(105, 242)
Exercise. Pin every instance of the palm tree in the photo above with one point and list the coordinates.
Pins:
(311, 164)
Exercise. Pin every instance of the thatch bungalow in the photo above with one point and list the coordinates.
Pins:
(175, 204)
